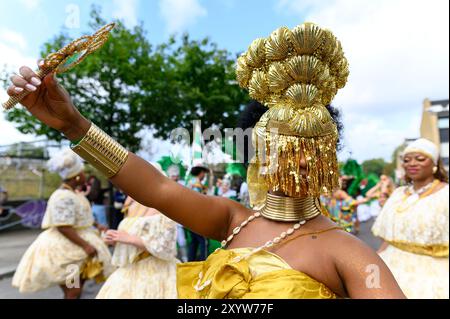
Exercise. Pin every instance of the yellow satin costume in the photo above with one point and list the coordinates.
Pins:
(263, 275)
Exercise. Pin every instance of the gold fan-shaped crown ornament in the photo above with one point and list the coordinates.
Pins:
(296, 74)
(67, 58)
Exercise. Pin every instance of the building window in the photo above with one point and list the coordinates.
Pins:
(443, 135)
(445, 162)
(444, 150)
(443, 122)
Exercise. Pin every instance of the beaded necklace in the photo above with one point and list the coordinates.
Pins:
(268, 244)
(412, 197)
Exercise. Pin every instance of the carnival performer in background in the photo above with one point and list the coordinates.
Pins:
(225, 189)
(173, 171)
(119, 201)
(342, 208)
(145, 253)
(244, 197)
(363, 209)
(285, 248)
(414, 225)
(197, 244)
(385, 187)
(96, 196)
(382, 199)
(69, 238)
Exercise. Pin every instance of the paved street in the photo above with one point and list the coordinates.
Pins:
(365, 234)
(13, 245)
(8, 292)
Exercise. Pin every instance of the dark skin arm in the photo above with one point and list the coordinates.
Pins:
(208, 216)
(364, 273)
(205, 215)
(73, 236)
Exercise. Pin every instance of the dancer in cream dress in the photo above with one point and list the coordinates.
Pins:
(145, 252)
(414, 226)
(70, 250)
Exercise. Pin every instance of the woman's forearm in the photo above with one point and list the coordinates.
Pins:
(70, 233)
(136, 241)
(205, 215)
(371, 192)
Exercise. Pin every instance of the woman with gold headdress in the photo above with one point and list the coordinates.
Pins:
(285, 247)
(145, 254)
(69, 251)
(414, 225)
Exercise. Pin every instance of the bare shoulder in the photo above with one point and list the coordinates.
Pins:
(345, 246)
(237, 213)
(362, 270)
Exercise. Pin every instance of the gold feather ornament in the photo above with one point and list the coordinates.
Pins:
(296, 73)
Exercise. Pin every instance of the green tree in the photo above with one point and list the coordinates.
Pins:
(375, 166)
(396, 153)
(25, 150)
(198, 82)
(101, 86)
(127, 86)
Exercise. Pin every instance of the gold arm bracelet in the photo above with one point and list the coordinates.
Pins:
(101, 151)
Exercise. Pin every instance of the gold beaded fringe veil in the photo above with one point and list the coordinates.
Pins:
(296, 74)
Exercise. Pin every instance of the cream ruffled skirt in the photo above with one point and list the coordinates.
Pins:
(52, 259)
(149, 278)
(419, 276)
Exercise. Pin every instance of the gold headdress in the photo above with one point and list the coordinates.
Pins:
(296, 73)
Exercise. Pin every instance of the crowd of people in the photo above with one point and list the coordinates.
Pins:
(349, 211)
(282, 245)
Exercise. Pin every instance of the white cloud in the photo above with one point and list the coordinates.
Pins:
(181, 14)
(398, 53)
(12, 58)
(30, 4)
(126, 11)
(13, 38)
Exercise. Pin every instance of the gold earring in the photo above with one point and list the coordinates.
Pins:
(78, 178)
(435, 169)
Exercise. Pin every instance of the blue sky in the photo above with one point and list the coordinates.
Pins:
(232, 24)
(397, 49)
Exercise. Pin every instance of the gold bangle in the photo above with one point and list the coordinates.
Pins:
(101, 151)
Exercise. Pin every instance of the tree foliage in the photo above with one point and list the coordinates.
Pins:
(374, 166)
(25, 150)
(129, 85)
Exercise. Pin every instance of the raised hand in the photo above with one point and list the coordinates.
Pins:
(49, 102)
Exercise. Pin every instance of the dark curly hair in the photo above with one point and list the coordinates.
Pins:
(254, 110)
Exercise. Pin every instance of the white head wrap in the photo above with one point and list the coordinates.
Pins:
(424, 147)
(66, 164)
(173, 170)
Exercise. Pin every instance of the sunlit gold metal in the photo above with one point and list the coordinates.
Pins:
(67, 58)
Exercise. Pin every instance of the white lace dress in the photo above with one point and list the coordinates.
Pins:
(144, 274)
(418, 238)
(52, 259)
